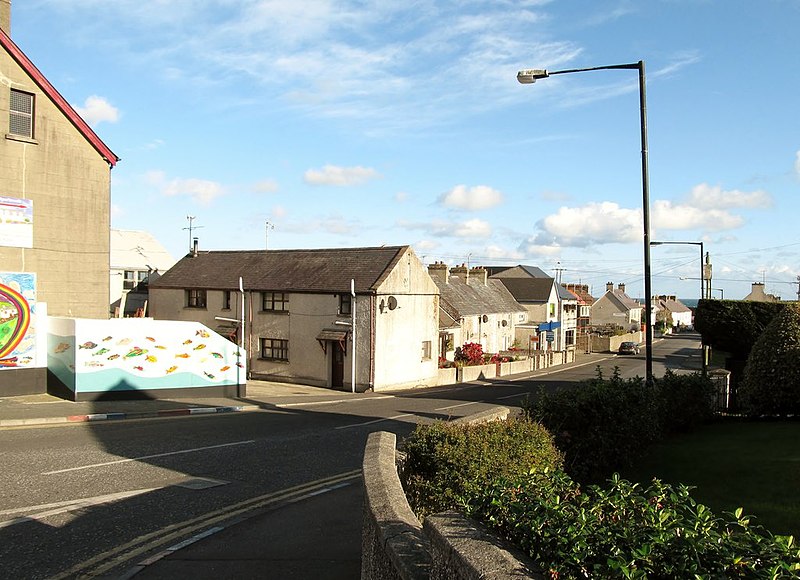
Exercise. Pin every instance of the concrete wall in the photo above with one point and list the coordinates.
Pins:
(395, 545)
(69, 184)
(611, 343)
(399, 333)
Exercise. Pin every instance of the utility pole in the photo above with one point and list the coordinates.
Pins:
(191, 218)
(558, 269)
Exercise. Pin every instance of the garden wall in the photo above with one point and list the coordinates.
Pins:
(395, 545)
(611, 343)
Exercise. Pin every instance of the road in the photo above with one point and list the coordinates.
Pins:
(92, 499)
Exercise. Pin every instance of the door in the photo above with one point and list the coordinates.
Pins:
(337, 366)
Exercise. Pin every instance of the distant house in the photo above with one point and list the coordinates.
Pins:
(616, 308)
(673, 311)
(298, 312)
(585, 301)
(55, 208)
(757, 294)
(136, 259)
(474, 308)
(551, 308)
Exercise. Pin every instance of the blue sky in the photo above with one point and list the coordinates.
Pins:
(314, 123)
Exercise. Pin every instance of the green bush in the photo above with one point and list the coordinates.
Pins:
(448, 462)
(624, 531)
(600, 425)
(771, 384)
(734, 326)
(685, 401)
(603, 425)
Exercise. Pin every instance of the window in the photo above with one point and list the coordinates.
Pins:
(129, 279)
(345, 304)
(426, 350)
(275, 349)
(226, 300)
(21, 114)
(275, 301)
(195, 298)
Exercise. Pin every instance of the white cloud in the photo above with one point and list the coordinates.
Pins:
(96, 109)
(401, 196)
(266, 186)
(340, 176)
(705, 196)
(594, 223)
(278, 211)
(473, 198)
(474, 228)
(797, 163)
(670, 216)
(201, 191)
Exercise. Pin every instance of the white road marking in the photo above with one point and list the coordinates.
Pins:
(331, 402)
(52, 509)
(128, 460)
(376, 421)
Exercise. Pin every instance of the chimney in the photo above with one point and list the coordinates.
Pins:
(194, 248)
(609, 286)
(461, 271)
(439, 272)
(621, 287)
(5, 16)
(479, 275)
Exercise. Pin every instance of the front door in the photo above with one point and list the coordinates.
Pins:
(337, 366)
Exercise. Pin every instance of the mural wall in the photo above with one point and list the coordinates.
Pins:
(17, 320)
(128, 354)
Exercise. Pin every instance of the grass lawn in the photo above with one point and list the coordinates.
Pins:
(734, 463)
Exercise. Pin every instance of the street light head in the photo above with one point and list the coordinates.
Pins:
(530, 75)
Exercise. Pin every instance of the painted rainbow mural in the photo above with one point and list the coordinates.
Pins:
(15, 317)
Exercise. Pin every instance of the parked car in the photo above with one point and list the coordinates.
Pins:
(628, 348)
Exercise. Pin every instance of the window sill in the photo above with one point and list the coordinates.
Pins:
(21, 138)
(274, 360)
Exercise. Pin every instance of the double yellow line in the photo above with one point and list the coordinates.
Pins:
(186, 532)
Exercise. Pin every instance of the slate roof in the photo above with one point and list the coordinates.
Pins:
(321, 270)
(48, 89)
(622, 300)
(475, 298)
(528, 289)
(531, 271)
(673, 305)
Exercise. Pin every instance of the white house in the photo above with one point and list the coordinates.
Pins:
(474, 308)
(552, 310)
(136, 256)
(297, 312)
(616, 308)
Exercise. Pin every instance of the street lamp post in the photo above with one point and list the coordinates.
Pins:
(702, 270)
(532, 75)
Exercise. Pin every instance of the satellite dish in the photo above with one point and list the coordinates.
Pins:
(392, 302)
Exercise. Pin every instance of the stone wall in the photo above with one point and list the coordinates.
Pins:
(395, 545)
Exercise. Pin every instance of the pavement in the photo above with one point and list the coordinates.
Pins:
(43, 409)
